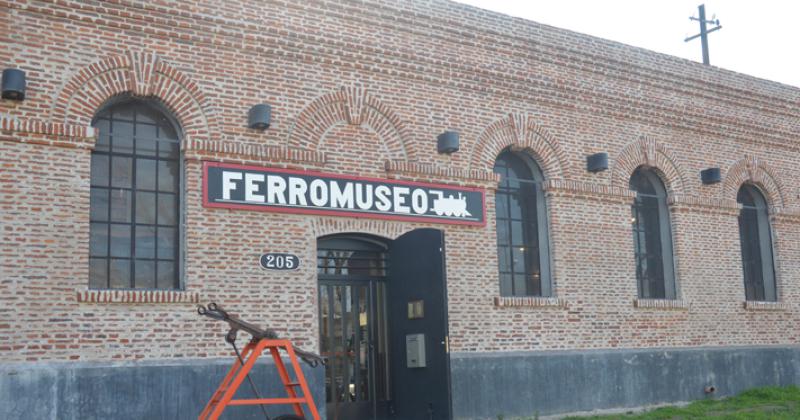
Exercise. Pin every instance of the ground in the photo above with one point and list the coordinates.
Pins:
(761, 403)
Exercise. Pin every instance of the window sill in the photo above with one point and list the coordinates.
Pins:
(662, 304)
(137, 296)
(754, 305)
(529, 302)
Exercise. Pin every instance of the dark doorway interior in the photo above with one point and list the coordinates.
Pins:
(375, 296)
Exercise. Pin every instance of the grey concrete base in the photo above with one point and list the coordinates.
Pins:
(519, 384)
(484, 385)
(152, 390)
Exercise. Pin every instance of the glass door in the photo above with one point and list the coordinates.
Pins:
(353, 328)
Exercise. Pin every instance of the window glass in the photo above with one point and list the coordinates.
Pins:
(145, 274)
(98, 240)
(756, 245)
(166, 209)
(121, 136)
(145, 242)
(167, 174)
(98, 273)
(121, 205)
(100, 170)
(98, 203)
(134, 235)
(652, 237)
(166, 243)
(522, 251)
(146, 207)
(121, 172)
(145, 174)
(119, 273)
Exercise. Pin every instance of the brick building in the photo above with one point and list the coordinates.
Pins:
(131, 189)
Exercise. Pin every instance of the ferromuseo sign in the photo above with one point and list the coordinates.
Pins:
(291, 191)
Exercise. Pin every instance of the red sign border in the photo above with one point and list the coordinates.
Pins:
(339, 213)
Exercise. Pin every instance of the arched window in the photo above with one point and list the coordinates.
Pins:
(652, 236)
(135, 199)
(522, 240)
(756, 242)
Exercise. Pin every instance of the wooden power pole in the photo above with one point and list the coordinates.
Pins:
(704, 31)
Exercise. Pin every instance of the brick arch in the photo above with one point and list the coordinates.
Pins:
(648, 152)
(520, 131)
(755, 171)
(330, 226)
(142, 75)
(356, 106)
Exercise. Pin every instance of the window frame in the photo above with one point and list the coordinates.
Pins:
(764, 241)
(536, 181)
(154, 105)
(667, 249)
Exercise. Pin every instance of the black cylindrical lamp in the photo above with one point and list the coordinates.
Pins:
(13, 84)
(597, 162)
(447, 142)
(710, 176)
(259, 116)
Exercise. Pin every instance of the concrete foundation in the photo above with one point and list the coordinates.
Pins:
(484, 385)
(134, 391)
(523, 384)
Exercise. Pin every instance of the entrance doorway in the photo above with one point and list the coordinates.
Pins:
(383, 326)
(353, 326)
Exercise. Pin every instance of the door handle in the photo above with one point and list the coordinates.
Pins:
(446, 344)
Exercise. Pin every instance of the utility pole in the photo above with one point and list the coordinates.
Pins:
(704, 31)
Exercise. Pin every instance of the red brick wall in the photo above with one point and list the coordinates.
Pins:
(363, 88)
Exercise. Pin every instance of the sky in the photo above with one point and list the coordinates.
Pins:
(758, 38)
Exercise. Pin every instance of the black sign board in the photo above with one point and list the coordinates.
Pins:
(305, 192)
(276, 261)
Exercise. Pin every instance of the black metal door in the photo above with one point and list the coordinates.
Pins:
(418, 305)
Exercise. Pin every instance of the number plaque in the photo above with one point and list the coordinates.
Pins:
(277, 261)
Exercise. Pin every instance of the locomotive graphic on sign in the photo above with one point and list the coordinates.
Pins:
(450, 206)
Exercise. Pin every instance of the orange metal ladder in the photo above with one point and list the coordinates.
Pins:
(223, 397)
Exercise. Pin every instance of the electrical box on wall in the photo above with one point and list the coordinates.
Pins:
(415, 350)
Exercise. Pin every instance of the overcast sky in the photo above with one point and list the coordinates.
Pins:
(758, 38)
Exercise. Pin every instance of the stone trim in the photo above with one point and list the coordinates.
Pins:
(756, 171)
(646, 151)
(783, 215)
(353, 105)
(427, 170)
(664, 304)
(703, 204)
(588, 188)
(529, 302)
(762, 306)
(201, 148)
(137, 296)
(523, 133)
(67, 135)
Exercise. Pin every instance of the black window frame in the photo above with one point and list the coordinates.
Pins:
(757, 250)
(527, 232)
(151, 124)
(652, 236)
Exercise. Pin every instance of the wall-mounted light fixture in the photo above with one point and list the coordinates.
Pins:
(447, 142)
(13, 84)
(597, 162)
(259, 116)
(710, 176)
